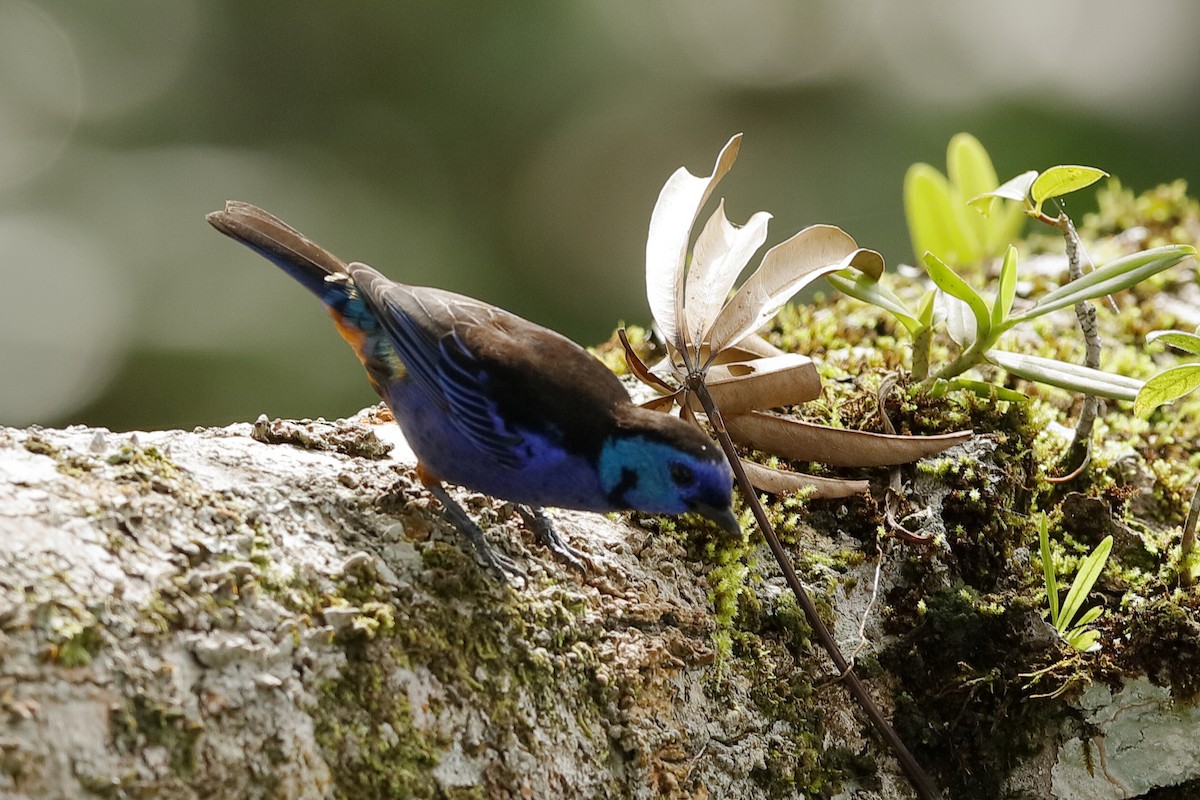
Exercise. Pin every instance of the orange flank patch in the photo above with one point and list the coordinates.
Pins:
(355, 337)
(425, 476)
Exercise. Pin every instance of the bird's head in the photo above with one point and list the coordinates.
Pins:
(660, 464)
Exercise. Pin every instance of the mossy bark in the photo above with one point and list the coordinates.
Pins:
(278, 611)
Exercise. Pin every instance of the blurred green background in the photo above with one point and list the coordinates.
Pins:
(508, 151)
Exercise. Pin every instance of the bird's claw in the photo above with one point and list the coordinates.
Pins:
(500, 565)
(544, 532)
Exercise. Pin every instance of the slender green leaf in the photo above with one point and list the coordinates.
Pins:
(1048, 568)
(936, 222)
(980, 388)
(1180, 340)
(1089, 616)
(1109, 279)
(1008, 287)
(1089, 571)
(863, 287)
(1166, 386)
(1072, 377)
(925, 308)
(1060, 180)
(949, 282)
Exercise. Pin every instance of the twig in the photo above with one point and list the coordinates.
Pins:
(1079, 453)
(920, 780)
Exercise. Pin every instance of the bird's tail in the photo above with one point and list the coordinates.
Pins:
(290, 250)
(323, 274)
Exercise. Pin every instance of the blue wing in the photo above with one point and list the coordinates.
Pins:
(425, 326)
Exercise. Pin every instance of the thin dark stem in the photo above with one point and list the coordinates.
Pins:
(920, 780)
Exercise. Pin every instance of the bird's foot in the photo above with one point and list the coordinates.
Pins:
(544, 532)
(499, 564)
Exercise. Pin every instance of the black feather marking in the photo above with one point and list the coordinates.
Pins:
(466, 389)
(629, 480)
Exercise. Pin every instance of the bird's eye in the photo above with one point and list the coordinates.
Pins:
(682, 475)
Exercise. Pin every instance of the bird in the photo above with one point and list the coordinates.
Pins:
(499, 405)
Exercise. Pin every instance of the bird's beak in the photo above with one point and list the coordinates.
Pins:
(723, 517)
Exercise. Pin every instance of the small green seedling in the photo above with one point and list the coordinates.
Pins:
(1067, 619)
(974, 323)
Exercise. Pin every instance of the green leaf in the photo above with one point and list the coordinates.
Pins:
(925, 308)
(1007, 291)
(949, 282)
(1072, 377)
(1060, 180)
(980, 388)
(1016, 189)
(1166, 386)
(1004, 226)
(1089, 616)
(1089, 571)
(936, 222)
(1048, 568)
(971, 173)
(960, 322)
(1083, 640)
(1180, 340)
(863, 287)
(969, 167)
(1108, 279)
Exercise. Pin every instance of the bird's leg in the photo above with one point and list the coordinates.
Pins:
(543, 531)
(501, 565)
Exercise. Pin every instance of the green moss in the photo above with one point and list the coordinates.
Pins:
(78, 650)
(38, 444)
(1168, 214)
(962, 702)
(68, 461)
(366, 729)
(72, 633)
(481, 654)
(773, 654)
(728, 582)
(1164, 643)
(141, 721)
(147, 466)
